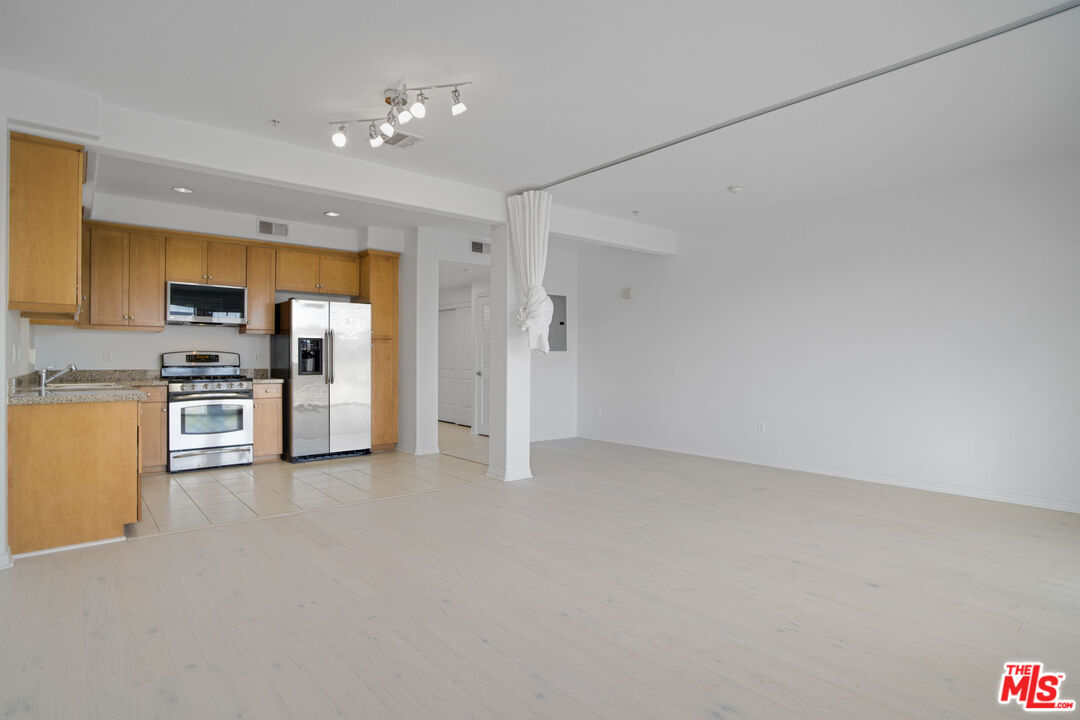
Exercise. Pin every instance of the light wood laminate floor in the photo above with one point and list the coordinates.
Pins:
(617, 583)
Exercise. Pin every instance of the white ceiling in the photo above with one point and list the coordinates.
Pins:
(565, 85)
(149, 181)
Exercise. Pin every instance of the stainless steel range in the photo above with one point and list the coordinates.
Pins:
(210, 410)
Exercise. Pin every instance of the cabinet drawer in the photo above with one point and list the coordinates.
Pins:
(267, 390)
(153, 393)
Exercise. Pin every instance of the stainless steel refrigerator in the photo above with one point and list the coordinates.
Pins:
(323, 352)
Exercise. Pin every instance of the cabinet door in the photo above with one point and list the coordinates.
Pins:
(267, 427)
(297, 270)
(260, 290)
(339, 275)
(185, 260)
(108, 277)
(384, 389)
(381, 290)
(146, 280)
(153, 435)
(45, 211)
(225, 263)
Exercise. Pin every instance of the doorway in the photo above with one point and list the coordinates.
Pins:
(464, 358)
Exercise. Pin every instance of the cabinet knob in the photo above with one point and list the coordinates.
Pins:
(164, 410)
(203, 277)
(211, 277)
(256, 405)
(147, 394)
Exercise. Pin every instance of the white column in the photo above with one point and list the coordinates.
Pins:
(418, 371)
(510, 369)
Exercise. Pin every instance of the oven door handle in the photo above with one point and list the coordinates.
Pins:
(211, 396)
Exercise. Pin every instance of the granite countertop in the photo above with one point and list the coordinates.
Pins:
(55, 397)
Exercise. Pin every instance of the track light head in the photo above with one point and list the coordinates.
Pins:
(418, 109)
(374, 137)
(339, 138)
(456, 106)
(387, 128)
(403, 116)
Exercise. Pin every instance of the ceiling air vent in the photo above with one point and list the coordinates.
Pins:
(402, 140)
(268, 227)
(481, 248)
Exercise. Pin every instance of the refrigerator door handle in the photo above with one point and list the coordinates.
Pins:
(333, 359)
(326, 357)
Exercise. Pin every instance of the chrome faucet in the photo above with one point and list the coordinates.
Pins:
(43, 375)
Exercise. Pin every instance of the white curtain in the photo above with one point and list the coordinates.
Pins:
(530, 218)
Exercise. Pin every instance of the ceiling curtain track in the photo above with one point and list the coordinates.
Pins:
(530, 220)
(1001, 30)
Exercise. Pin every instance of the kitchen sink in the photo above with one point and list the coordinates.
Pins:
(82, 386)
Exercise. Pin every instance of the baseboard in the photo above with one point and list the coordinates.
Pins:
(64, 548)
(523, 473)
(879, 479)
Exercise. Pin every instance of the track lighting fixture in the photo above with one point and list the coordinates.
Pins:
(387, 128)
(418, 109)
(339, 138)
(401, 112)
(456, 106)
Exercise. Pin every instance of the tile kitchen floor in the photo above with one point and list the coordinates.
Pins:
(184, 501)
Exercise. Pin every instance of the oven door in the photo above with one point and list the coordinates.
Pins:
(210, 422)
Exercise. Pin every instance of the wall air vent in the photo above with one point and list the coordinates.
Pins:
(269, 227)
(402, 140)
(481, 248)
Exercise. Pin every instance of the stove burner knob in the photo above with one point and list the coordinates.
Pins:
(231, 385)
(218, 386)
(206, 386)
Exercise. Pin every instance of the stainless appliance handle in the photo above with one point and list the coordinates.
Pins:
(333, 360)
(326, 357)
(211, 396)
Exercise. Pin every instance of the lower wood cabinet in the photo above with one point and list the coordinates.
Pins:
(73, 473)
(153, 429)
(267, 421)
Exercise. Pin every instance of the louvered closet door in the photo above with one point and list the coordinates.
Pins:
(483, 372)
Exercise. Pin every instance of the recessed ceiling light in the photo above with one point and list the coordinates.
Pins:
(635, 213)
(183, 190)
(332, 213)
(735, 189)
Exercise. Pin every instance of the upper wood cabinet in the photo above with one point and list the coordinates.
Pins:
(261, 281)
(313, 272)
(127, 279)
(195, 260)
(44, 239)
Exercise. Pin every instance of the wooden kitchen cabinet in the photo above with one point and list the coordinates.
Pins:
(45, 231)
(197, 260)
(127, 279)
(261, 282)
(154, 428)
(269, 438)
(315, 272)
(379, 286)
(72, 473)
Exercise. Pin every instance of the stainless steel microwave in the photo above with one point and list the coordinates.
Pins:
(195, 304)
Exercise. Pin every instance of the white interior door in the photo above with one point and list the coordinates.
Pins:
(463, 364)
(483, 365)
(448, 354)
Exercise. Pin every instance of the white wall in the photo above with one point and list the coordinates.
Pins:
(926, 336)
(59, 346)
(555, 375)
